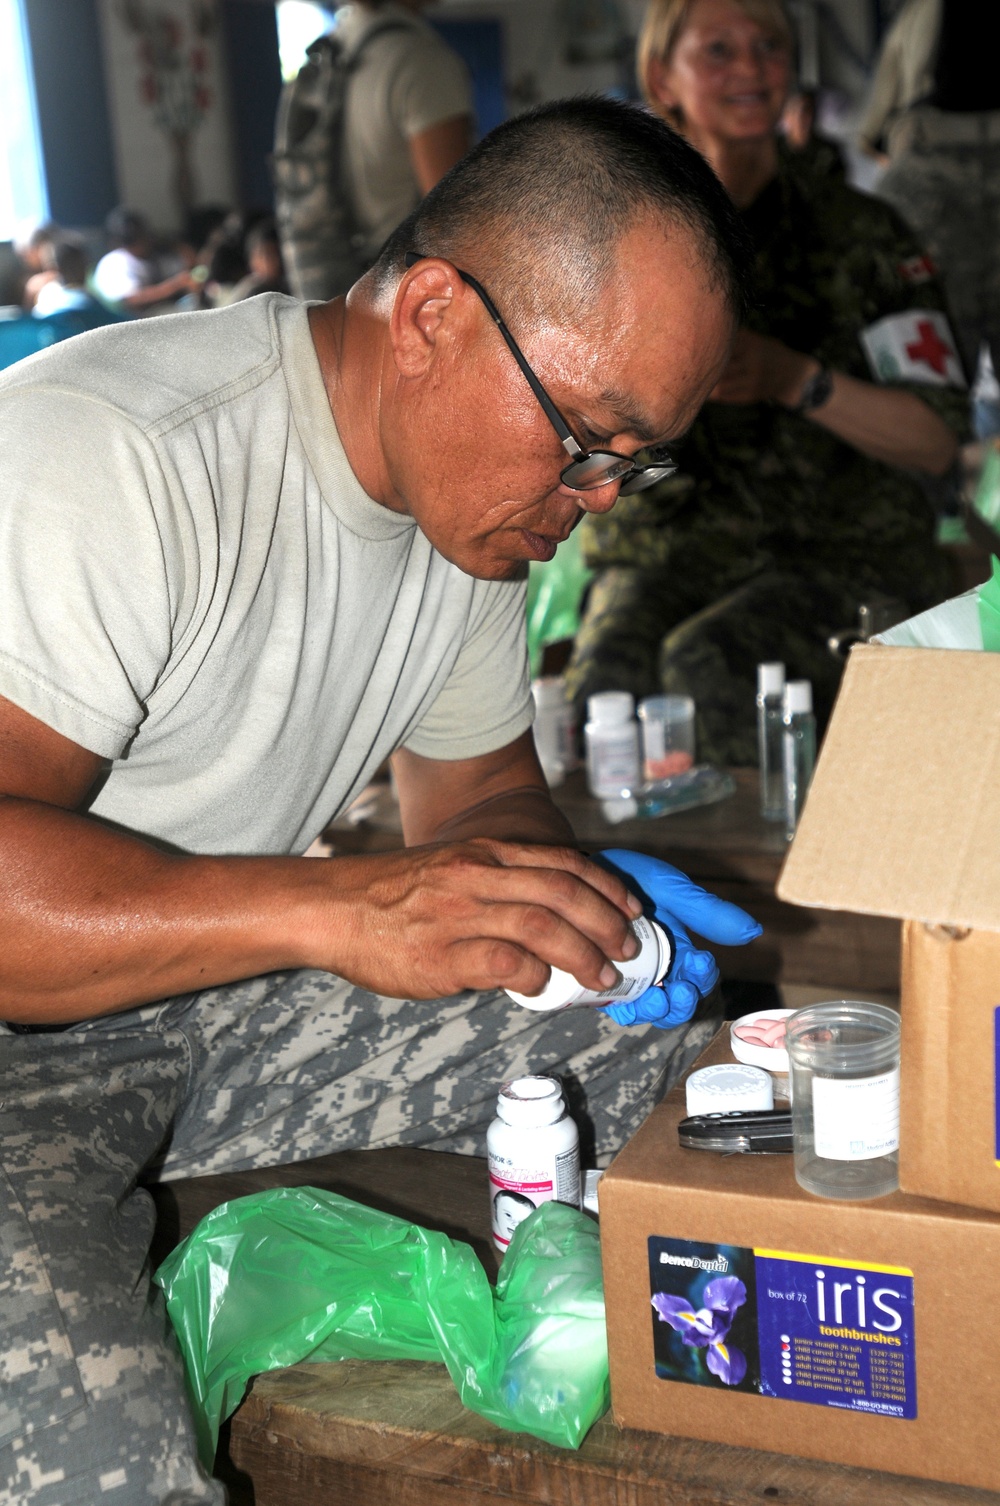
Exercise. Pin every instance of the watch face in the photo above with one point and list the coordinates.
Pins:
(816, 392)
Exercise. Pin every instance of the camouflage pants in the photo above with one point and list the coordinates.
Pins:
(646, 633)
(277, 1069)
(945, 181)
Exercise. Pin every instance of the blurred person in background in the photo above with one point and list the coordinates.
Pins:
(67, 289)
(126, 278)
(379, 113)
(267, 271)
(934, 117)
(33, 247)
(796, 498)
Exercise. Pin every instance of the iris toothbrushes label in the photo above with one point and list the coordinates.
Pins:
(780, 1324)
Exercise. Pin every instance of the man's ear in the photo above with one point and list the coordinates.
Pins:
(428, 298)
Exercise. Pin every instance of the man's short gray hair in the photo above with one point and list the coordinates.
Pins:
(538, 208)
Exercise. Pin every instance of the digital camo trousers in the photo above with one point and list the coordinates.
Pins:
(277, 1069)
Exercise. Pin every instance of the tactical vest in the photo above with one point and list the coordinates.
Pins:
(321, 241)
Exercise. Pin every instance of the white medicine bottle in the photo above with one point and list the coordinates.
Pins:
(612, 738)
(533, 1150)
(554, 728)
(650, 965)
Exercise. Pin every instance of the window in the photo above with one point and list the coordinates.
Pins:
(299, 23)
(23, 195)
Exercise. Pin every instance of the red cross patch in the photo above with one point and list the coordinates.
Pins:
(917, 346)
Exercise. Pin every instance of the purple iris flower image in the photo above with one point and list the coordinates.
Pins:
(707, 1327)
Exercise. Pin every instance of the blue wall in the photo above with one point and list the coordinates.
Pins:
(479, 43)
(72, 109)
(250, 35)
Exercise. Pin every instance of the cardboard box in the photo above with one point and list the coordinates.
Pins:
(864, 1329)
(903, 819)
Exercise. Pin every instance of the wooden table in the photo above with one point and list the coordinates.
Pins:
(365, 1433)
(729, 849)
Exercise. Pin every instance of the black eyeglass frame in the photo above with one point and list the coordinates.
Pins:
(634, 478)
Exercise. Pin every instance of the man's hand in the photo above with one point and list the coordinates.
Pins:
(477, 914)
(672, 899)
(763, 370)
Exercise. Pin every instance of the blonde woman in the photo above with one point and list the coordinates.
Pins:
(798, 494)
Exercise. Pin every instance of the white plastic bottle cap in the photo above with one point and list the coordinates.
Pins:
(622, 808)
(770, 679)
(727, 1089)
(609, 708)
(530, 1102)
(798, 697)
(549, 693)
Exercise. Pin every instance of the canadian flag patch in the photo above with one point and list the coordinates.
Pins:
(917, 346)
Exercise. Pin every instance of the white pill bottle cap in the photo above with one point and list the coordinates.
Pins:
(770, 679)
(531, 1102)
(798, 697)
(610, 708)
(727, 1089)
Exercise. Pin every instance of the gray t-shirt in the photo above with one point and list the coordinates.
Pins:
(194, 584)
(404, 82)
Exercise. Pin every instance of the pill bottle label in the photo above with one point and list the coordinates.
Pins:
(614, 764)
(856, 1119)
(516, 1191)
(567, 1188)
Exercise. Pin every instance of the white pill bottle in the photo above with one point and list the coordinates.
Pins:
(650, 965)
(533, 1150)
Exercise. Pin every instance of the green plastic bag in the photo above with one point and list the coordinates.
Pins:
(986, 502)
(988, 600)
(299, 1274)
(555, 591)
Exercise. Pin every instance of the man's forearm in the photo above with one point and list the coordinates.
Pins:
(520, 815)
(93, 920)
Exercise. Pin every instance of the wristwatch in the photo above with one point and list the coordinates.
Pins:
(817, 391)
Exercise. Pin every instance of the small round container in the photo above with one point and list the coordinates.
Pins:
(844, 1059)
(650, 963)
(773, 1059)
(728, 1089)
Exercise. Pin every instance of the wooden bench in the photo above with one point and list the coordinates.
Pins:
(361, 1434)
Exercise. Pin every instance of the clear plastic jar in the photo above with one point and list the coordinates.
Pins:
(667, 723)
(844, 1060)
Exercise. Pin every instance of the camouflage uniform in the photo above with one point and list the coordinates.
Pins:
(945, 181)
(276, 1069)
(772, 531)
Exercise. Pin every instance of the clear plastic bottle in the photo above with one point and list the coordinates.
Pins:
(844, 1060)
(612, 737)
(770, 688)
(650, 963)
(798, 737)
(533, 1151)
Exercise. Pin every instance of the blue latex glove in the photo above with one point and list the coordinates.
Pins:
(672, 899)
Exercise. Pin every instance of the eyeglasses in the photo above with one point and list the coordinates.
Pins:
(588, 469)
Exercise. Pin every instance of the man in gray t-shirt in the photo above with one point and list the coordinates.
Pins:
(244, 557)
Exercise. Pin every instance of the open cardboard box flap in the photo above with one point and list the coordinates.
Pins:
(903, 814)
